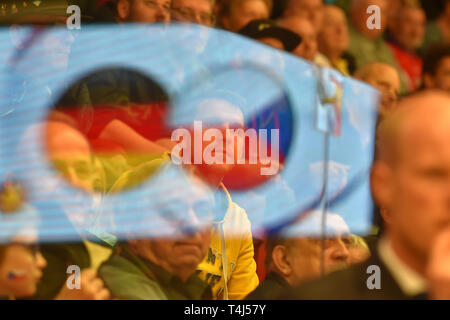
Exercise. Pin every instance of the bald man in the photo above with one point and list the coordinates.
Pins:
(410, 180)
(386, 79)
(294, 259)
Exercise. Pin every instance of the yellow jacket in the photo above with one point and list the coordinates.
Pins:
(233, 236)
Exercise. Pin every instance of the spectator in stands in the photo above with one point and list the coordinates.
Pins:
(164, 267)
(386, 79)
(194, 11)
(406, 34)
(307, 49)
(368, 45)
(333, 40)
(70, 153)
(293, 260)
(410, 176)
(236, 14)
(436, 68)
(21, 262)
(141, 10)
(311, 10)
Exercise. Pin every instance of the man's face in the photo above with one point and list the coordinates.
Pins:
(308, 47)
(311, 10)
(410, 28)
(181, 253)
(147, 11)
(195, 11)
(242, 12)
(305, 255)
(333, 37)
(20, 270)
(386, 79)
(70, 153)
(219, 117)
(441, 79)
(419, 179)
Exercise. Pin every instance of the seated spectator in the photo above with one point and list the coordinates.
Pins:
(149, 11)
(21, 262)
(229, 267)
(164, 267)
(292, 260)
(70, 153)
(386, 79)
(307, 49)
(236, 14)
(436, 68)
(407, 179)
(194, 11)
(438, 31)
(311, 10)
(270, 33)
(333, 40)
(406, 34)
(367, 45)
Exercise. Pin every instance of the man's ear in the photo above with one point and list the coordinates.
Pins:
(281, 260)
(381, 186)
(123, 10)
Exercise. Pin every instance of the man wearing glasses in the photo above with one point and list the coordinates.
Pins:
(195, 11)
(149, 11)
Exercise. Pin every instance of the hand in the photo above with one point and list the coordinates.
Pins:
(438, 269)
(91, 288)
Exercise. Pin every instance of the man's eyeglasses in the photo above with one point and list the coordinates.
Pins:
(186, 14)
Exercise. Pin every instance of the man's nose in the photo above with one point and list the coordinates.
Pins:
(340, 250)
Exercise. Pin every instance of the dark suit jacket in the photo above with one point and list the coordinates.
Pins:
(350, 284)
(270, 288)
